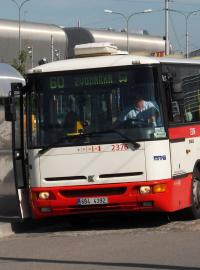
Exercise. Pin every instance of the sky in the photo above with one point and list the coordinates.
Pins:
(90, 13)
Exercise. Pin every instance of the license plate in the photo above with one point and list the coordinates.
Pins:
(93, 201)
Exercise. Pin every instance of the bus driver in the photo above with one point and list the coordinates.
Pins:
(142, 110)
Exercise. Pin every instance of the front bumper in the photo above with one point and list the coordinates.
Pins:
(121, 197)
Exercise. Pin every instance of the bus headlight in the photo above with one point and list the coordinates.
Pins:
(145, 189)
(44, 195)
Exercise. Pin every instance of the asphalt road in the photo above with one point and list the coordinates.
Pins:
(116, 242)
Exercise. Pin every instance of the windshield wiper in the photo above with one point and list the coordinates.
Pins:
(134, 143)
(96, 133)
(48, 147)
(67, 137)
(82, 135)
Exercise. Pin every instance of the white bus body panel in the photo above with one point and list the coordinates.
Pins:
(184, 154)
(82, 161)
(192, 152)
(158, 162)
(178, 157)
(89, 161)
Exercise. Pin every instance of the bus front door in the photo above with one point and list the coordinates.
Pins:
(19, 159)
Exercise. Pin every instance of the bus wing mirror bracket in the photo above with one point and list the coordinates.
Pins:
(9, 102)
(16, 87)
(9, 109)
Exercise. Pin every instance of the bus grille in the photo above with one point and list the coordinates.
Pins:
(93, 192)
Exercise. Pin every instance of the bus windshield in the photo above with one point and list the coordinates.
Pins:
(62, 106)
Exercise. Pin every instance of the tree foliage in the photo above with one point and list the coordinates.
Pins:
(20, 62)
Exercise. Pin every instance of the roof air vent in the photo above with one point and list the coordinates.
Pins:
(95, 49)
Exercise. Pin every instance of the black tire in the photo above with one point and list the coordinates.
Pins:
(194, 211)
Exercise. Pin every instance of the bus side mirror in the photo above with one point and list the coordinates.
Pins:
(9, 109)
(9, 102)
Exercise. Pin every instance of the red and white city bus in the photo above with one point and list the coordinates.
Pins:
(75, 154)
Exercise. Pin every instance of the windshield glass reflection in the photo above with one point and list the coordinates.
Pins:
(97, 103)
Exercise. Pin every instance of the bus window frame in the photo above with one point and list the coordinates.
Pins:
(160, 90)
(181, 123)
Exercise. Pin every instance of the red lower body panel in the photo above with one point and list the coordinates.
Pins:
(121, 197)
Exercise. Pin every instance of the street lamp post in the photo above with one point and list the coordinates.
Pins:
(127, 19)
(57, 54)
(186, 16)
(30, 52)
(166, 27)
(19, 6)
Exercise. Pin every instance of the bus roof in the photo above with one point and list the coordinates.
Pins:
(93, 62)
(106, 61)
(168, 60)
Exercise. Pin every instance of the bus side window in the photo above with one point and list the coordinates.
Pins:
(174, 100)
(182, 86)
(177, 107)
(176, 111)
(191, 88)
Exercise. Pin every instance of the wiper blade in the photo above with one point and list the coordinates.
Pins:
(48, 147)
(67, 137)
(96, 133)
(82, 135)
(134, 143)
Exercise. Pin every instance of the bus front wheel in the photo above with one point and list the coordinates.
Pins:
(194, 210)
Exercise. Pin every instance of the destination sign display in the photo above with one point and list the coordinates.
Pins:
(88, 80)
(101, 79)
